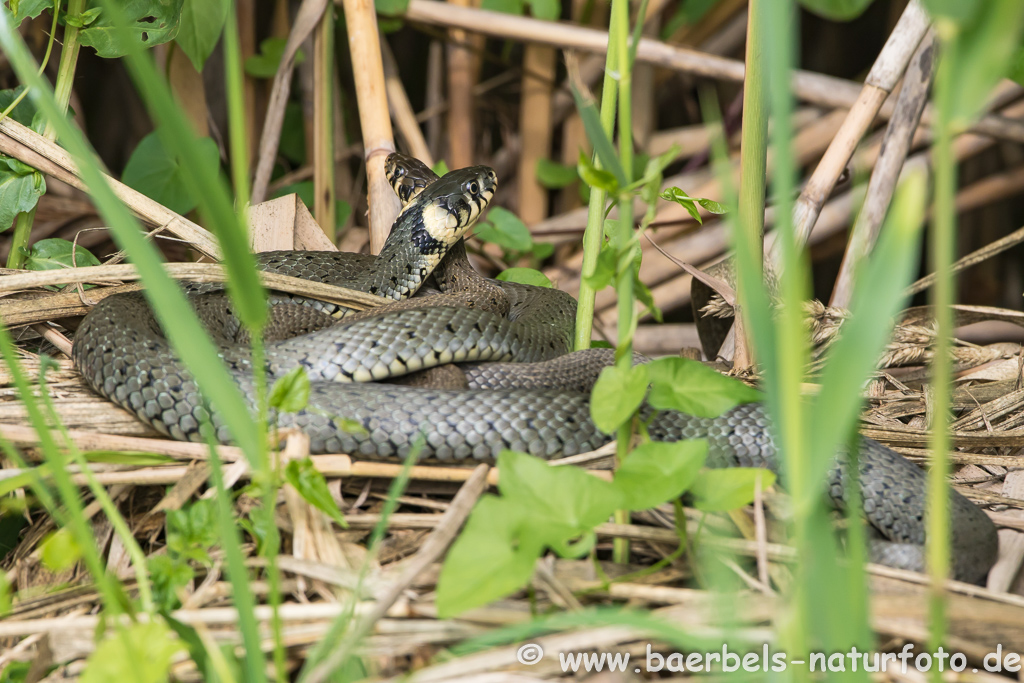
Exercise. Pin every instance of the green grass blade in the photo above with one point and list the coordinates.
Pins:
(204, 182)
(878, 297)
(241, 592)
(173, 311)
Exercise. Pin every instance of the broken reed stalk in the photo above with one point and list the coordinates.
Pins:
(886, 72)
(371, 94)
(29, 147)
(895, 146)
(195, 272)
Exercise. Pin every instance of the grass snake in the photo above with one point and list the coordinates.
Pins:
(525, 391)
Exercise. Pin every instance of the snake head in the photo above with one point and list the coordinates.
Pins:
(450, 206)
(408, 176)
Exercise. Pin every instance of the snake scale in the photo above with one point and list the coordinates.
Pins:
(525, 391)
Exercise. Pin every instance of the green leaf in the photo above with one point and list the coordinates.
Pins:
(595, 177)
(54, 253)
(312, 486)
(350, 426)
(488, 560)
(567, 501)
(387, 26)
(548, 10)
(604, 269)
(391, 7)
(25, 110)
(542, 250)
(440, 167)
(960, 11)
(293, 142)
(290, 393)
(728, 489)
(977, 52)
(691, 387)
(600, 344)
(525, 276)
(643, 293)
(711, 206)
(616, 395)
(29, 9)
(84, 19)
(201, 24)
(265, 64)
(160, 176)
(59, 551)
(674, 194)
(656, 472)
(149, 23)
(517, 7)
(598, 139)
(168, 575)
(837, 10)
(191, 531)
(554, 175)
(502, 227)
(687, 13)
(19, 190)
(140, 652)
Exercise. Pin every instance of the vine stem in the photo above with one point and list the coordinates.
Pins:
(62, 93)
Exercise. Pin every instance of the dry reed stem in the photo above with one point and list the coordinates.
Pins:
(16, 312)
(401, 109)
(461, 79)
(809, 86)
(671, 289)
(306, 20)
(195, 272)
(33, 149)
(895, 146)
(371, 94)
(884, 75)
(534, 130)
(323, 124)
(430, 552)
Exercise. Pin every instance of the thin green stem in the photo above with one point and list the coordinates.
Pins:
(236, 109)
(593, 236)
(62, 93)
(241, 593)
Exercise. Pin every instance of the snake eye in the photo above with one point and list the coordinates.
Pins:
(473, 187)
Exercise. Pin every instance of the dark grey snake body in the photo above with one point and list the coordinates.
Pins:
(541, 408)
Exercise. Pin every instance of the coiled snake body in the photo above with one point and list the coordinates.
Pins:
(537, 398)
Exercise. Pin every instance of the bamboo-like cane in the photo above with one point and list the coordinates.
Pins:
(378, 141)
(534, 129)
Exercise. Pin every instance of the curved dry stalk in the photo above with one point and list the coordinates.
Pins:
(886, 72)
(895, 146)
